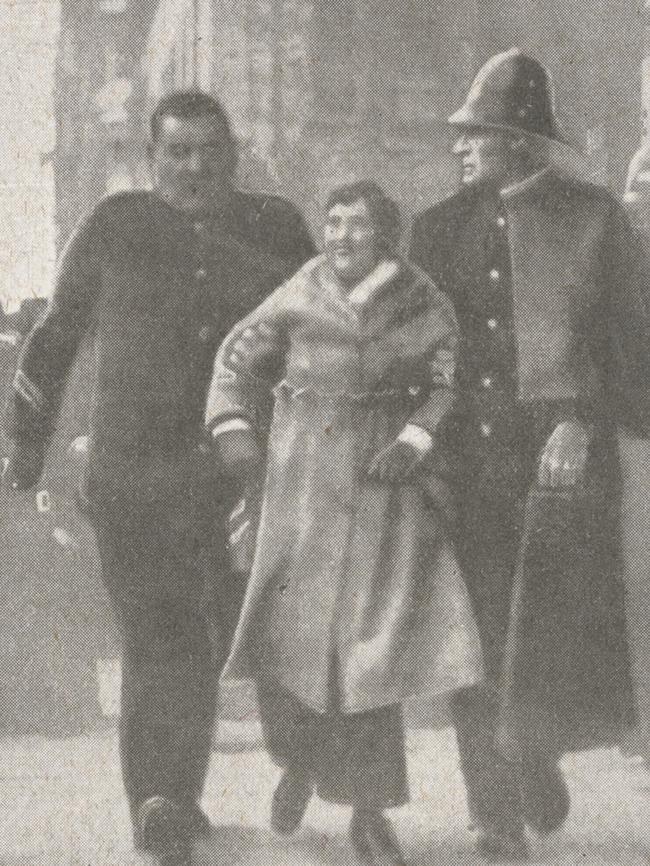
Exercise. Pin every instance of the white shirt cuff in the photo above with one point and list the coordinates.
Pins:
(418, 437)
(230, 425)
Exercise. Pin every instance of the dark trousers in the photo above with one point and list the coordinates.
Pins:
(492, 477)
(158, 569)
(493, 783)
(541, 571)
(355, 759)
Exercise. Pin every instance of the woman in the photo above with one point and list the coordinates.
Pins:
(355, 602)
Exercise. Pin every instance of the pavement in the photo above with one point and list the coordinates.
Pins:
(62, 805)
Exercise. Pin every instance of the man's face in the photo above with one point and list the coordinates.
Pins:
(191, 163)
(486, 156)
(350, 241)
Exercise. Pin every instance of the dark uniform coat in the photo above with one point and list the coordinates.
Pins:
(159, 292)
(549, 285)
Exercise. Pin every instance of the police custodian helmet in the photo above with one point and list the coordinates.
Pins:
(512, 92)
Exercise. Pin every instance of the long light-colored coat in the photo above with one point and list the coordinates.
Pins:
(348, 568)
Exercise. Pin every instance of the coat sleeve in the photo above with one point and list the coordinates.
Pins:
(625, 269)
(440, 358)
(52, 345)
(241, 385)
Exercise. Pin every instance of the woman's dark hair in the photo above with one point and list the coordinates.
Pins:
(384, 211)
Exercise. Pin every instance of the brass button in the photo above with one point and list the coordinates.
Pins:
(492, 324)
(501, 222)
(494, 274)
(198, 227)
(486, 381)
(486, 430)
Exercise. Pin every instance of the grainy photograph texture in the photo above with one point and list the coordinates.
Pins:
(325, 373)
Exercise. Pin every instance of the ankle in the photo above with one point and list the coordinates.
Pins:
(298, 775)
(367, 814)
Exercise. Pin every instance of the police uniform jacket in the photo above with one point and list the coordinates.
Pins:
(159, 292)
(550, 287)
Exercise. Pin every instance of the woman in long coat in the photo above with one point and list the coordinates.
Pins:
(355, 601)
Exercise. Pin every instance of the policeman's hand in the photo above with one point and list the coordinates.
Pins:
(256, 348)
(564, 458)
(395, 463)
(24, 467)
(239, 453)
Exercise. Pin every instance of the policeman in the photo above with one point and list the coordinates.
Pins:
(159, 278)
(549, 286)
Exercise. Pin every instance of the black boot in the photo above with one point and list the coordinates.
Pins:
(503, 846)
(374, 840)
(545, 796)
(169, 831)
(164, 763)
(290, 801)
(492, 782)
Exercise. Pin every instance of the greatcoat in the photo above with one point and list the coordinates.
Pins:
(157, 290)
(347, 569)
(550, 287)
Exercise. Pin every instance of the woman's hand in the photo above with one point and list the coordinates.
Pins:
(395, 463)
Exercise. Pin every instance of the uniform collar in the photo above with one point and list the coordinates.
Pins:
(524, 185)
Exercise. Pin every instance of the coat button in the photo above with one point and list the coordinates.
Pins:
(200, 273)
(492, 324)
(486, 381)
(198, 227)
(501, 222)
(204, 334)
(494, 274)
(486, 430)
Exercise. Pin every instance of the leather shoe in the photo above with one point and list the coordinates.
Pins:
(374, 840)
(498, 846)
(169, 831)
(290, 801)
(545, 797)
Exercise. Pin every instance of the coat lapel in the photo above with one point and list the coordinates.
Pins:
(408, 296)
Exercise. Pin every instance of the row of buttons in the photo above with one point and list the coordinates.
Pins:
(493, 324)
(201, 275)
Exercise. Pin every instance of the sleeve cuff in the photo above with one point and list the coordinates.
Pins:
(418, 437)
(230, 425)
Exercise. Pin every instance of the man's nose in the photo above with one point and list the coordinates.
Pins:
(461, 145)
(195, 162)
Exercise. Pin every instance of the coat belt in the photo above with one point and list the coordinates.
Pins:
(309, 392)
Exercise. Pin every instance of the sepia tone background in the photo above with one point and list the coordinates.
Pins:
(319, 92)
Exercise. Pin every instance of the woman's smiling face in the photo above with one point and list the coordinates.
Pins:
(350, 241)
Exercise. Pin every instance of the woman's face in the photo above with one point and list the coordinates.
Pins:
(350, 241)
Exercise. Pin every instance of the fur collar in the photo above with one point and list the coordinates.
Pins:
(317, 271)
